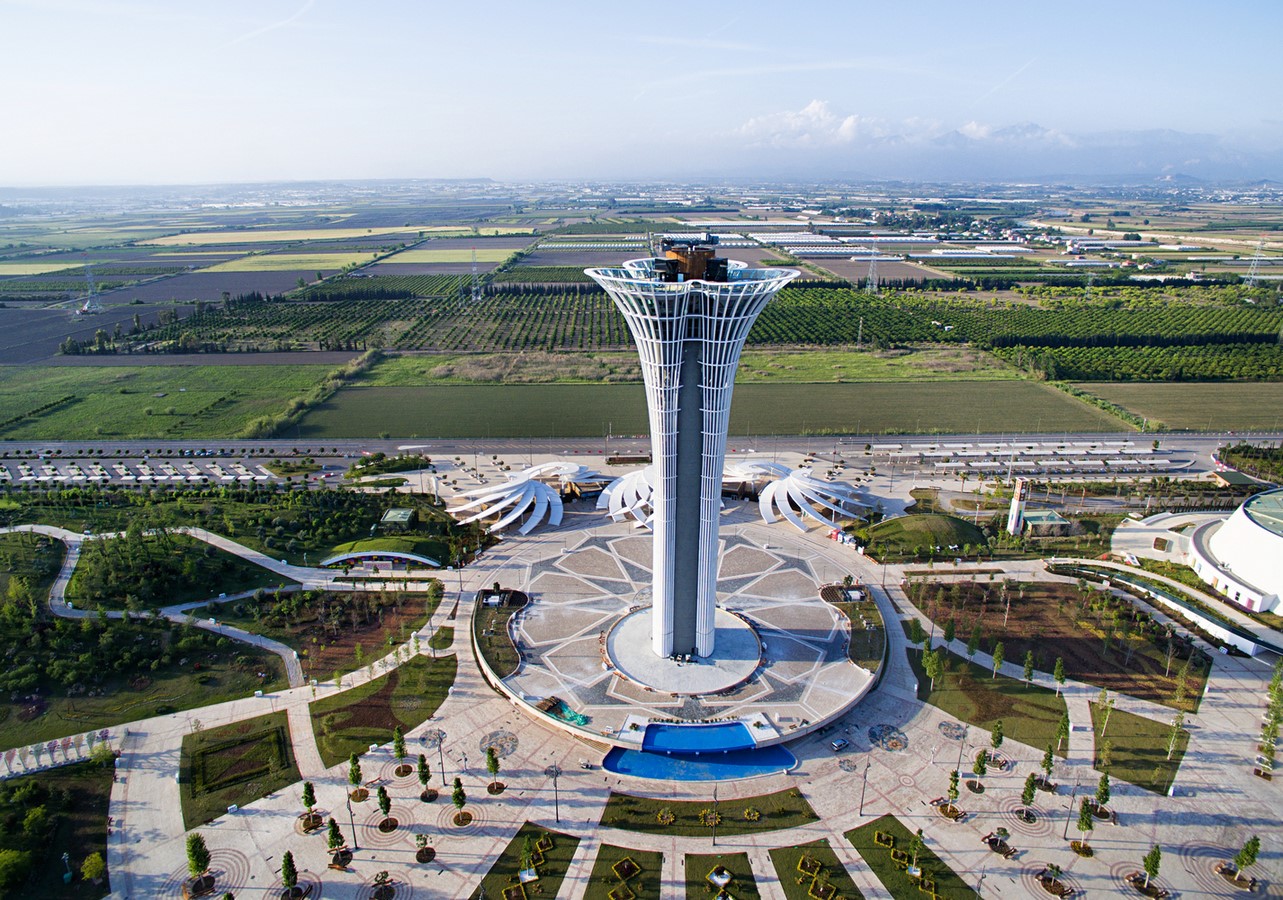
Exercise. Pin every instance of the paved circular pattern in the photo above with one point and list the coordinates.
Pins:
(736, 655)
(230, 869)
(447, 828)
(1033, 887)
(1120, 871)
(952, 730)
(400, 880)
(388, 771)
(504, 743)
(1042, 824)
(846, 764)
(298, 822)
(372, 836)
(1199, 859)
(888, 737)
(310, 882)
(907, 780)
(432, 738)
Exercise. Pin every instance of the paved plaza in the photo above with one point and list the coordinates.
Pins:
(900, 755)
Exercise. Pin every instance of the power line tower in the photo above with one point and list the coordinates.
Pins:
(476, 279)
(92, 304)
(871, 283)
(1254, 272)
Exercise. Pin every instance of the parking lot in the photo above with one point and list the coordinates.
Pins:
(131, 471)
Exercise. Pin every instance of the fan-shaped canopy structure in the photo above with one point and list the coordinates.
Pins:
(524, 494)
(792, 492)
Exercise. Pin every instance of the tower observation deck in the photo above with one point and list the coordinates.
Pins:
(689, 311)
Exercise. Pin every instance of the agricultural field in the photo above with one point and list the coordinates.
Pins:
(1199, 407)
(544, 275)
(902, 364)
(308, 263)
(8, 269)
(280, 236)
(147, 401)
(590, 410)
(451, 255)
(503, 368)
(382, 287)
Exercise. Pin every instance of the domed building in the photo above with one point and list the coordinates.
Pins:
(1240, 556)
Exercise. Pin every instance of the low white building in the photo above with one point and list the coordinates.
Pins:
(1242, 556)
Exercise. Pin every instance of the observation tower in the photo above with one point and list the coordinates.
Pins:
(689, 312)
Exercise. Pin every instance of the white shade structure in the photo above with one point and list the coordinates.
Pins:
(523, 494)
(630, 496)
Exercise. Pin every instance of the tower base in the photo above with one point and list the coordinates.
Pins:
(737, 654)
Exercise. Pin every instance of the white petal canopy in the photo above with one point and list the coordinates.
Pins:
(524, 494)
(793, 490)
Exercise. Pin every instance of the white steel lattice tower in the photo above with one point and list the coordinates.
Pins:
(689, 313)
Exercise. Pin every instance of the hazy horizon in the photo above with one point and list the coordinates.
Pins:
(128, 92)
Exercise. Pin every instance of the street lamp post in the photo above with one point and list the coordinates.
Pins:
(865, 785)
(1070, 814)
(553, 772)
(441, 755)
(714, 814)
(962, 744)
(352, 822)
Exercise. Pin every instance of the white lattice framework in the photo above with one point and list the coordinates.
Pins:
(663, 317)
(523, 494)
(795, 495)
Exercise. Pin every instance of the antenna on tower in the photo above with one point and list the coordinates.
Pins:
(476, 280)
(1254, 272)
(871, 284)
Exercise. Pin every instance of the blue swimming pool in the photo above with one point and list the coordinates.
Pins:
(664, 738)
(726, 766)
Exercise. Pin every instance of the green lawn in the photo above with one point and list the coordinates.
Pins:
(289, 262)
(112, 401)
(1030, 714)
(1139, 749)
(910, 364)
(503, 873)
(234, 764)
(350, 721)
(76, 798)
(699, 865)
(796, 882)
(897, 882)
(588, 410)
(442, 638)
(1205, 406)
(397, 543)
(783, 809)
(647, 884)
(901, 537)
(490, 629)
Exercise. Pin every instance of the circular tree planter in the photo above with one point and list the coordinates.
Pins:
(462, 819)
(425, 855)
(311, 821)
(201, 886)
(1027, 817)
(1082, 848)
(403, 770)
(429, 795)
(975, 787)
(296, 893)
(1137, 881)
(949, 811)
(340, 859)
(1042, 784)
(1051, 885)
(383, 892)
(388, 825)
(495, 787)
(1231, 874)
(359, 795)
(1101, 812)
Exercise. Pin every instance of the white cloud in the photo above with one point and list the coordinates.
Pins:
(814, 125)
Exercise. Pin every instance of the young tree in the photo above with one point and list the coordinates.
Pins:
(1058, 673)
(1104, 705)
(916, 843)
(1029, 665)
(309, 797)
(1086, 822)
(289, 874)
(1027, 795)
(1247, 855)
(197, 855)
(950, 631)
(1102, 791)
(1151, 862)
(334, 837)
(1173, 739)
(953, 786)
(999, 653)
(94, 867)
(916, 634)
(982, 763)
(931, 666)
(492, 764)
(398, 744)
(1062, 730)
(973, 643)
(1048, 762)
(425, 774)
(457, 796)
(354, 771)
(996, 736)
(385, 802)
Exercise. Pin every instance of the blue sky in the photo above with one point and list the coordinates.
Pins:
(125, 91)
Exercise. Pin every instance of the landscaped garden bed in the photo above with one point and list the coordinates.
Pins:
(690, 818)
(533, 851)
(619, 872)
(720, 875)
(876, 841)
(234, 765)
(812, 871)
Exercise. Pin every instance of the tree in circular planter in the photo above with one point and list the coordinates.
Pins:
(427, 795)
(311, 820)
(398, 750)
(1151, 863)
(492, 766)
(460, 800)
(1086, 822)
(1102, 795)
(354, 778)
(289, 877)
(1027, 797)
(385, 807)
(980, 768)
(383, 887)
(425, 853)
(198, 861)
(340, 855)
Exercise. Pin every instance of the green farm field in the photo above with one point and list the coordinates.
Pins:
(588, 410)
(456, 255)
(275, 236)
(1206, 406)
(36, 268)
(288, 262)
(112, 401)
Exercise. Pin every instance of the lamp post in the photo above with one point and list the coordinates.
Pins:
(714, 814)
(352, 822)
(865, 785)
(962, 744)
(441, 755)
(553, 772)
(1069, 816)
